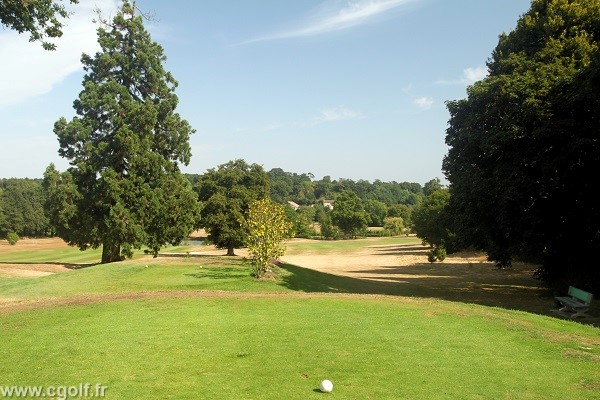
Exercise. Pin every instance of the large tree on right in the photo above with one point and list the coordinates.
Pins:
(524, 146)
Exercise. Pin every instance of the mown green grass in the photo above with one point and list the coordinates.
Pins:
(278, 339)
(281, 348)
(134, 276)
(67, 255)
(327, 246)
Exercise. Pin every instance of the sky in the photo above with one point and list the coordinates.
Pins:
(352, 89)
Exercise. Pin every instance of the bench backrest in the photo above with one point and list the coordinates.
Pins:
(580, 294)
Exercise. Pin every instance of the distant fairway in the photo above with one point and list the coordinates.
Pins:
(201, 327)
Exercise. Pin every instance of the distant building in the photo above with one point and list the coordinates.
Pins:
(328, 204)
(295, 206)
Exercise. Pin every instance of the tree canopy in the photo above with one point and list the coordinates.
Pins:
(429, 217)
(21, 208)
(524, 149)
(349, 214)
(226, 194)
(124, 189)
(41, 18)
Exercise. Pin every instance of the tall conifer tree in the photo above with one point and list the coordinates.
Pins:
(124, 189)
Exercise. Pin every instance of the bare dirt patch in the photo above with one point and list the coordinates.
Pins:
(32, 270)
(466, 277)
(32, 244)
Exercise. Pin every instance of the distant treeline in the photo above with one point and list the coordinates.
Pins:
(22, 199)
(303, 189)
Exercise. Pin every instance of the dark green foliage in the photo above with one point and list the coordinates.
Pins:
(524, 150)
(12, 238)
(286, 186)
(437, 253)
(226, 194)
(429, 218)
(377, 211)
(349, 214)
(41, 18)
(125, 189)
(21, 208)
(302, 220)
(328, 230)
(302, 189)
(403, 211)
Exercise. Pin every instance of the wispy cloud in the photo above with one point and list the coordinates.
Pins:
(424, 102)
(29, 71)
(468, 77)
(331, 17)
(273, 126)
(335, 114)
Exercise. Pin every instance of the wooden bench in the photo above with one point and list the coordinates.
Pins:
(578, 301)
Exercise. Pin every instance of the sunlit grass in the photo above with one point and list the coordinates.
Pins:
(267, 348)
(205, 328)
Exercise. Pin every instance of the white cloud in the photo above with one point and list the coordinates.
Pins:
(424, 102)
(336, 114)
(472, 75)
(29, 71)
(329, 19)
(469, 76)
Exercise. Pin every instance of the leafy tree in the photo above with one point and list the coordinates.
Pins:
(23, 212)
(523, 147)
(3, 222)
(393, 226)
(281, 185)
(377, 211)
(349, 214)
(226, 194)
(125, 189)
(301, 220)
(403, 211)
(432, 186)
(267, 226)
(41, 18)
(328, 230)
(324, 188)
(429, 217)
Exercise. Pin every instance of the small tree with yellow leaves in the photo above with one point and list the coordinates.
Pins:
(268, 226)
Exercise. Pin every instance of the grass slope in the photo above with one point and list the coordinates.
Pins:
(248, 339)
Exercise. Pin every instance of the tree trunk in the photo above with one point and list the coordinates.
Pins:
(230, 251)
(111, 252)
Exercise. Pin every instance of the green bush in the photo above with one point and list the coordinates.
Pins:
(12, 238)
(431, 256)
(438, 253)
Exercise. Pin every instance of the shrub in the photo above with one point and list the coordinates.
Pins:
(12, 238)
(438, 253)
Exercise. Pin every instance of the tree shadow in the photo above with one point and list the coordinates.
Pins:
(509, 290)
(62, 264)
(221, 273)
(402, 250)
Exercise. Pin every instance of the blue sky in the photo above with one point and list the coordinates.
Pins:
(350, 89)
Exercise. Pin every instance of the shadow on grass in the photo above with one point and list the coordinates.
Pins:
(62, 264)
(221, 273)
(412, 250)
(417, 282)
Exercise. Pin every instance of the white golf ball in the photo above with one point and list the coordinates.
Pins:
(326, 386)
